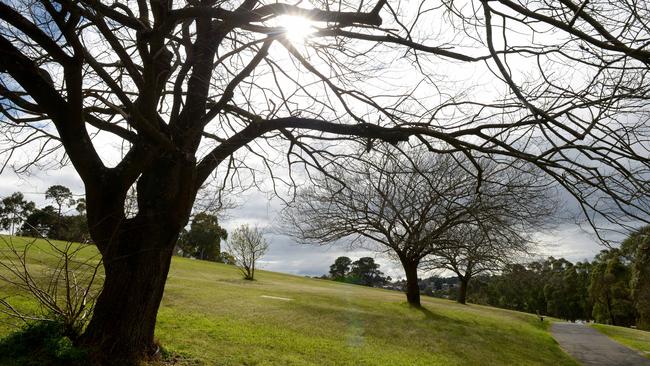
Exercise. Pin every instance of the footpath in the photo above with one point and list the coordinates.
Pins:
(592, 348)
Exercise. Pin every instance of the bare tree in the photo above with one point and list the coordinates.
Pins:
(183, 90)
(247, 245)
(477, 250)
(577, 72)
(515, 203)
(407, 206)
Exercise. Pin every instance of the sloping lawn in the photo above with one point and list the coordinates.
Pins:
(212, 316)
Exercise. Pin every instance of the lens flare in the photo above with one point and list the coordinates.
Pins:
(297, 28)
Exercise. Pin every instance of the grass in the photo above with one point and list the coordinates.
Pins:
(633, 338)
(211, 315)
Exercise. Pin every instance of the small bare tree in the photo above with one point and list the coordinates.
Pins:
(247, 245)
(58, 277)
(479, 249)
(515, 204)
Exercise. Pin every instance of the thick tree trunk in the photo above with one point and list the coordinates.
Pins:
(462, 289)
(136, 254)
(121, 331)
(412, 286)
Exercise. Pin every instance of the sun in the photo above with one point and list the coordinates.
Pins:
(296, 28)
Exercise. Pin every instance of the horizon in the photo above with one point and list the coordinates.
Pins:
(285, 255)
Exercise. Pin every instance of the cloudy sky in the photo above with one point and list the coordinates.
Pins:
(568, 241)
(285, 255)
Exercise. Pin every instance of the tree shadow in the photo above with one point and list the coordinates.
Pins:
(40, 343)
(428, 314)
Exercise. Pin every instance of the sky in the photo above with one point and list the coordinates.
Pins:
(569, 240)
(285, 254)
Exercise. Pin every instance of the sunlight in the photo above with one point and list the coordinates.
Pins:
(297, 28)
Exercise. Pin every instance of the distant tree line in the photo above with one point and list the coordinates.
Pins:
(363, 271)
(614, 288)
(56, 221)
(22, 217)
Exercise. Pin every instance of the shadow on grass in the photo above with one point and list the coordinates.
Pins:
(42, 344)
(428, 314)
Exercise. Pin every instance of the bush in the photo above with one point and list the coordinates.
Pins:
(41, 343)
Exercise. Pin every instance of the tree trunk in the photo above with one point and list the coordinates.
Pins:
(412, 286)
(462, 289)
(136, 255)
(609, 311)
(121, 331)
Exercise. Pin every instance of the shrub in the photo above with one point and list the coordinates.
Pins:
(40, 343)
(54, 276)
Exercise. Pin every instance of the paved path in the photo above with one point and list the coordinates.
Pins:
(592, 348)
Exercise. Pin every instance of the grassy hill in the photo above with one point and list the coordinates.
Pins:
(211, 315)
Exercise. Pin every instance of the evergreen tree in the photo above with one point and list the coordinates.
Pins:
(637, 247)
(366, 272)
(61, 196)
(610, 289)
(203, 240)
(42, 222)
(340, 269)
(14, 210)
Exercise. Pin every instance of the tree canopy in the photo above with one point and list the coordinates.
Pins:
(340, 268)
(637, 248)
(365, 271)
(14, 210)
(183, 90)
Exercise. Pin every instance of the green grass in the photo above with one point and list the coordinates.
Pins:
(212, 315)
(633, 338)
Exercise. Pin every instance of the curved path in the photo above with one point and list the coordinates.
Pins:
(592, 348)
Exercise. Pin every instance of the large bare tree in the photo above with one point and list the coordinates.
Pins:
(160, 95)
(389, 203)
(421, 209)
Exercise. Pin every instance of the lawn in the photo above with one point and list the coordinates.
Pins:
(211, 315)
(633, 338)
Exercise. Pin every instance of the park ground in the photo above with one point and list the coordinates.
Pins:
(635, 339)
(211, 316)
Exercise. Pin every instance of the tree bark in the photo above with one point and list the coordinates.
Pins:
(136, 255)
(121, 331)
(462, 289)
(412, 286)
